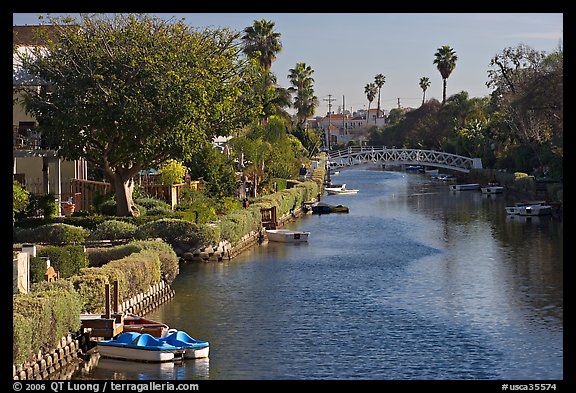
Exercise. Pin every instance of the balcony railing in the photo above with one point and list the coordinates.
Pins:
(27, 139)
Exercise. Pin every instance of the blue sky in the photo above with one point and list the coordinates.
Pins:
(346, 50)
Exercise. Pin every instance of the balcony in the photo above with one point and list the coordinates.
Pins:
(29, 142)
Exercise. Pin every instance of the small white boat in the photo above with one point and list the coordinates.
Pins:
(465, 187)
(492, 189)
(444, 177)
(287, 236)
(340, 190)
(521, 207)
(535, 210)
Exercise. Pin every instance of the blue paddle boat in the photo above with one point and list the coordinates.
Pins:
(139, 346)
(193, 349)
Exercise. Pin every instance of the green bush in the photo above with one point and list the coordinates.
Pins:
(108, 208)
(90, 288)
(169, 261)
(135, 273)
(42, 205)
(172, 231)
(20, 199)
(240, 222)
(151, 203)
(21, 338)
(68, 260)
(39, 314)
(56, 233)
(113, 230)
(37, 269)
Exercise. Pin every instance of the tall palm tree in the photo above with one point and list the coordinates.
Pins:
(305, 102)
(262, 42)
(370, 90)
(424, 85)
(445, 60)
(379, 80)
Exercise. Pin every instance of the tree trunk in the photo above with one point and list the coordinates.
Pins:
(123, 189)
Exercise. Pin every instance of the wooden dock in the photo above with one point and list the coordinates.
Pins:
(105, 325)
(100, 326)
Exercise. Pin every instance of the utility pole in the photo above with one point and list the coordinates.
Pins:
(329, 99)
(343, 115)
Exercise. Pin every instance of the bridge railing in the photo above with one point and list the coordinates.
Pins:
(354, 155)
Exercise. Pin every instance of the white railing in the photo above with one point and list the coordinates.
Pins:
(355, 155)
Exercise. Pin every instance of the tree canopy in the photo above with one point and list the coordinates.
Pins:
(129, 92)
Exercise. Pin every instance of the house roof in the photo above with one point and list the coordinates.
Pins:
(37, 35)
(34, 35)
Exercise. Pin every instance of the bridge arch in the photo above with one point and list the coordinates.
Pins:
(356, 155)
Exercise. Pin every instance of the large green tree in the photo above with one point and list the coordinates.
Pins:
(131, 91)
(529, 100)
(445, 59)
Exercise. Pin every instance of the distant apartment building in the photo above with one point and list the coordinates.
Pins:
(341, 128)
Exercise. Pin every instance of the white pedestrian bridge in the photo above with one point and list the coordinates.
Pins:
(356, 155)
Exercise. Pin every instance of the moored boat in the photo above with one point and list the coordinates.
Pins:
(465, 187)
(535, 210)
(140, 347)
(340, 190)
(325, 208)
(521, 207)
(138, 324)
(287, 236)
(193, 349)
(492, 189)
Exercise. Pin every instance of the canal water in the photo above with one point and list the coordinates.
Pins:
(416, 282)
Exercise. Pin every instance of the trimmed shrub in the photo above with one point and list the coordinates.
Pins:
(151, 203)
(172, 231)
(90, 288)
(113, 230)
(240, 222)
(135, 273)
(39, 314)
(169, 261)
(68, 259)
(52, 309)
(21, 338)
(57, 233)
(37, 269)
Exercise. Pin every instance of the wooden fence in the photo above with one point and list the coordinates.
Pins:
(83, 192)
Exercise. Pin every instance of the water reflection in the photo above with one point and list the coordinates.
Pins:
(103, 368)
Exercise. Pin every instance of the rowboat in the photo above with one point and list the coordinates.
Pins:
(138, 324)
(465, 187)
(287, 235)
